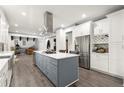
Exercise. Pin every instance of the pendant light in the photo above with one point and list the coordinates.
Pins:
(12, 37)
(33, 39)
(20, 38)
(27, 38)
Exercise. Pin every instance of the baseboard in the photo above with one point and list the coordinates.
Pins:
(72, 83)
(110, 74)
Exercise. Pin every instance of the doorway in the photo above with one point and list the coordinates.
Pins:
(68, 41)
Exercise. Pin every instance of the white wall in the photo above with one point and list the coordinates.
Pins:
(43, 43)
(29, 43)
(60, 40)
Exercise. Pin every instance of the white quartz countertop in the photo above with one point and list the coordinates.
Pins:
(58, 55)
(3, 62)
(7, 53)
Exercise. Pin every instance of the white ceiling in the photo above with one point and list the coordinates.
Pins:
(66, 15)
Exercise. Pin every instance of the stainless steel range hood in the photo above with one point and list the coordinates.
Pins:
(47, 28)
(48, 21)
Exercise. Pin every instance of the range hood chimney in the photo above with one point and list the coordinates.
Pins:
(48, 22)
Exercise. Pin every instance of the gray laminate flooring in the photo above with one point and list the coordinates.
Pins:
(25, 74)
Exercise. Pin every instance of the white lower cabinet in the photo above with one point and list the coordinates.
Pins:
(112, 62)
(116, 59)
(100, 61)
(3, 76)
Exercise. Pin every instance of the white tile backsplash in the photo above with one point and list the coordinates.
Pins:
(100, 39)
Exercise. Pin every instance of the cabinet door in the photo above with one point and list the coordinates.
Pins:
(116, 28)
(100, 61)
(86, 28)
(41, 62)
(45, 65)
(94, 61)
(53, 74)
(52, 71)
(37, 59)
(77, 31)
(103, 62)
(83, 29)
(105, 26)
(98, 28)
(116, 59)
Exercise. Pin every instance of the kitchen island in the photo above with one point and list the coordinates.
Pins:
(60, 68)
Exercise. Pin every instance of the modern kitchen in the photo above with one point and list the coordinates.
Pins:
(61, 46)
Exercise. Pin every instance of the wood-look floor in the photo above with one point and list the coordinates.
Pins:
(25, 74)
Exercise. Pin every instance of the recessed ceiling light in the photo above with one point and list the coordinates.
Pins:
(62, 25)
(16, 31)
(83, 16)
(16, 25)
(24, 13)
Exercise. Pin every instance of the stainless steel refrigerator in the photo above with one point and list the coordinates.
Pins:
(83, 46)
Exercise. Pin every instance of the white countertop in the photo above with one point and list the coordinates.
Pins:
(3, 62)
(7, 53)
(57, 55)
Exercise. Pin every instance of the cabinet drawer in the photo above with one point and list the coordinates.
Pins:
(52, 73)
(53, 78)
(53, 61)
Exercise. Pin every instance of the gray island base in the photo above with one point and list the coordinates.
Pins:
(60, 68)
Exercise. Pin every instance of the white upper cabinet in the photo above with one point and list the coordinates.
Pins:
(116, 26)
(101, 27)
(82, 29)
(97, 27)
